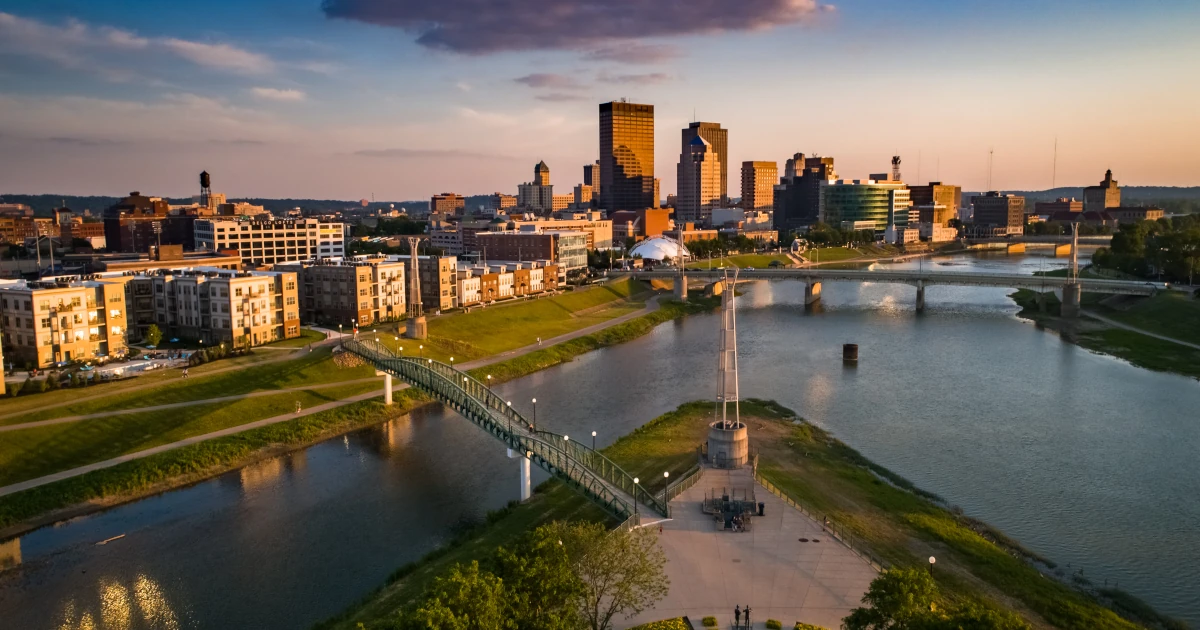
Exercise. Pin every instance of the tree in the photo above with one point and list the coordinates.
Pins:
(465, 599)
(621, 572)
(895, 601)
(153, 335)
(971, 617)
(540, 583)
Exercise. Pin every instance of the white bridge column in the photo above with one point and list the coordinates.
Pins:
(387, 386)
(920, 296)
(524, 462)
(812, 292)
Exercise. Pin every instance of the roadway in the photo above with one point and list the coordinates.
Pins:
(923, 278)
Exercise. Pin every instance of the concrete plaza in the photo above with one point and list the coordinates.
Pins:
(767, 568)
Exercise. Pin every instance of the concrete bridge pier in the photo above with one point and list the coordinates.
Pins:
(1071, 294)
(812, 293)
(920, 297)
(1016, 248)
(524, 462)
(387, 386)
(681, 288)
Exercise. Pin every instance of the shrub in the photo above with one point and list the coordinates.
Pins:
(33, 387)
(52, 382)
(76, 380)
(807, 626)
(709, 622)
(13, 388)
(774, 624)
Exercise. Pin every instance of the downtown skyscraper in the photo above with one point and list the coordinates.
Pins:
(627, 156)
(719, 139)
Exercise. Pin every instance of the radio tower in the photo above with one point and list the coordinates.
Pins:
(416, 315)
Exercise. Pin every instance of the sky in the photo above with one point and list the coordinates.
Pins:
(401, 99)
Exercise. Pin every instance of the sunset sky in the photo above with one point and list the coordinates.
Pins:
(399, 98)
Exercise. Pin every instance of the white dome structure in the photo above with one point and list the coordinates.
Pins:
(659, 248)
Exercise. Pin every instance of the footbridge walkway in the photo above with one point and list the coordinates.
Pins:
(574, 463)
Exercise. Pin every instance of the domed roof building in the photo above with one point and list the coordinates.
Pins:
(659, 248)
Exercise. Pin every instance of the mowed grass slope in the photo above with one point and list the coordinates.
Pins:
(1175, 315)
(741, 261)
(309, 369)
(31, 453)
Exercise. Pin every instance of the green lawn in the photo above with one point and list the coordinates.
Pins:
(30, 453)
(503, 327)
(307, 336)
(310, 369)
(1172, 314)
(1143, 351)
(831, 254)
(758, 261)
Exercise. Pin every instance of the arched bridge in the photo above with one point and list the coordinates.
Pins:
(574, 463)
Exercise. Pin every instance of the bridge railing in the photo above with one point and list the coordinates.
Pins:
(608, 469)
(473, 400)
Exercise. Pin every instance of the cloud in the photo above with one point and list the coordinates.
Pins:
(275, 94)
(463, 86)
(493, 119)
(111, 51)
(429, 154)
(634, 53)
(559, 97)
(487, 26)
(222, 56)
(547, 80)
(633, 79)
(84, 142)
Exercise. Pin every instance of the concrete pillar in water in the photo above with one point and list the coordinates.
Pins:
(1070, 302)
(921, 297)
(812, 292)
(1041, 301)
(524, 463)
(387, 388)
(681, 288)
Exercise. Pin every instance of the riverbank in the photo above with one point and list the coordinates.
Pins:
(1155, 333)
(129, 481)
(881, 513)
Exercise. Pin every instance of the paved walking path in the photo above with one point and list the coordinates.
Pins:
(767, 568)
(1113, 322)
(651, 306)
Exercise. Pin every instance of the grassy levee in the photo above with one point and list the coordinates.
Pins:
(189, 464)
(1164, 314)
(832, 254)
(307, 336)
(309, 369)
(667, 443)
(758, 261)
(509, 325)
(905, 525)
(34, 452)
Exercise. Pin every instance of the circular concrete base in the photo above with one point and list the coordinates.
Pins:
(416, 328)
(728, 447)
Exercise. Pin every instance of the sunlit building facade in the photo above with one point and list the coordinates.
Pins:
(627, 156)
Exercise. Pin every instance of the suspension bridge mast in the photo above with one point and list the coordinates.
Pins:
(416, 327)
(728, 441)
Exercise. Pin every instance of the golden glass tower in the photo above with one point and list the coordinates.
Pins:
(626, 156)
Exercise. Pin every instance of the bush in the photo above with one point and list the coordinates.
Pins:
(52, 382)
(13, 388)
(774, 624)
(76, 380)
(33, 387)
(808, 626)
(709, 622)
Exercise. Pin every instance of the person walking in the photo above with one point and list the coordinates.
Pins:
(747, 617)
(737, 616)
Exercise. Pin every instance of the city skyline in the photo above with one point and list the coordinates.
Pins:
(353, 98)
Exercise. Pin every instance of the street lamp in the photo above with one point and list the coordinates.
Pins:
(451, 363)
(635, 503)
(535, 414)
(932, 560)
(593, 440)
(422, 347)
(666, 475)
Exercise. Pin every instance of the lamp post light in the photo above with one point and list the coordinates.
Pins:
(635, 503)
(422, 347)
(451, 363)
(666, 475)
(593, 440)
(932, 560)
(535, 414)
(339, 330)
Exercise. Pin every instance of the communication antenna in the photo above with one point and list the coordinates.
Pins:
(989, 180)
(918, 167)
(1054, 169)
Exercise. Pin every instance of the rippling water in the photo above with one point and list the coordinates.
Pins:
(1081, 457)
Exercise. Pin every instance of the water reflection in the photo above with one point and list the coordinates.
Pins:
(140, 604)
(10, 554)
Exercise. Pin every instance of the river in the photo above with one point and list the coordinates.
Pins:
(1081, 457)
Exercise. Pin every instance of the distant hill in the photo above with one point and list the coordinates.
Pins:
(1174, 199)
(43, 205)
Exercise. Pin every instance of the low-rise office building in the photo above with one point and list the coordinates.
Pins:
(273, 241)
(1000, 210)
(62, 320)
(1127, 214)
(882, 202)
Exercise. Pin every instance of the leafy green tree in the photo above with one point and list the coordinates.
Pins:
(896, 600)
(621, 572)
(541, 585)
(466, 599)
(153, 335)
(971, 617)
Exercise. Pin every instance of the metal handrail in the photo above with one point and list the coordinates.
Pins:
(476, 402)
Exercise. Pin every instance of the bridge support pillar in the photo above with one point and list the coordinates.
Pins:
(524, 463)
(921, 298)
(1071, 294)
(1040, 298)
(681, 288)
(387, 388)
(416, 328)
(812, 292)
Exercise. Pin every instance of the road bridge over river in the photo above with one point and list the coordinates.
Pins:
(1069, 288)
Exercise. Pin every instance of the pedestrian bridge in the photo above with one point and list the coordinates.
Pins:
(572, 462)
